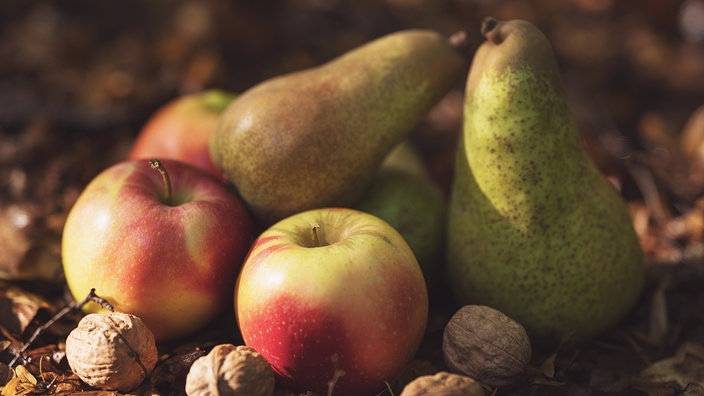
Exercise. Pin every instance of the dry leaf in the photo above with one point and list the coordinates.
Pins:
(14, 241)
(171, 372)
(23, 383)
(18, 307)
(548, 366)
(692, 136)
(6, 374)
(683, 371)
(26, 253)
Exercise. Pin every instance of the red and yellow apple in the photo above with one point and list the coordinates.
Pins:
(332, 295)
(166, 247)
(181, 129)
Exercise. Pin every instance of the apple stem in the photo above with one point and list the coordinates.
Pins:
(314, 230)
(157, 165)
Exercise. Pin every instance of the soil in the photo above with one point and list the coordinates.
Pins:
(79, 79)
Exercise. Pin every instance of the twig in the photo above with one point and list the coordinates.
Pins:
(337, 373)
(647, 186)
(76, 305)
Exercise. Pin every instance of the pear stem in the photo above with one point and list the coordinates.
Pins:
(157, 165)
(314, 231)
(489, 30)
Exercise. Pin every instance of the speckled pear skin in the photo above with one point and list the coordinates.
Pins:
(316, 137)
(534, 229)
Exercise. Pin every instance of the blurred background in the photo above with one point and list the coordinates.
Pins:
(96, 70)
(79, 79)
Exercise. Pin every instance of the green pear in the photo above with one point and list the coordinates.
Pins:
(316, 137)
(403, 194)
(534, 229)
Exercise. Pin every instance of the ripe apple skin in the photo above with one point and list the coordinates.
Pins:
(357, 303)
(181, 129)
(174, 265)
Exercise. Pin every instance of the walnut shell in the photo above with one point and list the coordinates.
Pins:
(443, 384)
(231, 370)
(485, 344)
(114, 351)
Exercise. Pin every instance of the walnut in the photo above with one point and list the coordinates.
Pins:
(487, 345)
(443, 384)
(114, 351)
(231, 370)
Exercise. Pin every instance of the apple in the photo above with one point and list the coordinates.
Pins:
(332, 295)
(181, 129)
(163, 243)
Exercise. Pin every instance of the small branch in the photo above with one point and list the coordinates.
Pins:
(337, 373)
(647, 186)
(41, 329)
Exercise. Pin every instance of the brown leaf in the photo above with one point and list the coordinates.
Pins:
(692, 137)
(683, 371)
(18, 307)
(68, 384)
(14, 241)
(173, 370)
(27, 253)
(6, 374)
(23, 383)
(45, 359)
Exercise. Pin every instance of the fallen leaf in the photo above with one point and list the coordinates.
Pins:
(18, 307)
(6, 374)
(548, 366)
(14, 241)
(29, 252)
(171, 372)
(22, 383)
(682, 372)
(692, 136)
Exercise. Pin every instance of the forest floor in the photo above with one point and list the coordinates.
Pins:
(79, 79)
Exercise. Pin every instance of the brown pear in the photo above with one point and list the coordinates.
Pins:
(316, 137)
